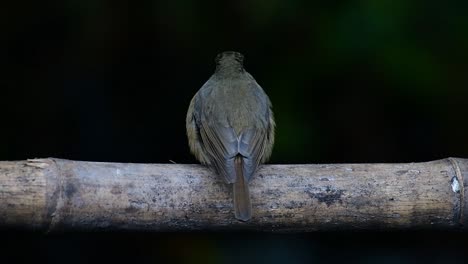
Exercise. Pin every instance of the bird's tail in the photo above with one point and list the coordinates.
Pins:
(242, 205)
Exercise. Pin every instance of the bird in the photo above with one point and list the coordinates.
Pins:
(231, 128)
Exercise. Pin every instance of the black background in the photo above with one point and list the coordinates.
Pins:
(350, 81)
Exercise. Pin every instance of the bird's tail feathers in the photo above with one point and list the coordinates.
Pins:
(242, 205)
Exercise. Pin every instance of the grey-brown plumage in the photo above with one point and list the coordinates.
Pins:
(230, 127)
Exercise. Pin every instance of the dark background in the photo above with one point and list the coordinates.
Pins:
(350, 81)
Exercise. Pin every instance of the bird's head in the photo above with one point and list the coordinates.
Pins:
(229, 61)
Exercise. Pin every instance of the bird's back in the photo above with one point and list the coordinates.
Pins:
(235, 119)
(238, 103)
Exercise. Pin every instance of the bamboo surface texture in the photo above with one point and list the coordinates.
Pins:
(63, 195)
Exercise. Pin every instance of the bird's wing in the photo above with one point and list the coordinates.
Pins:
(192, 124)
(221, 144)
(252, 144)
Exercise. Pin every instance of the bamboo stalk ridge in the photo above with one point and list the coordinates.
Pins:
(62, 195)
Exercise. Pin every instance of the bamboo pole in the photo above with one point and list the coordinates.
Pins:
(55, 194)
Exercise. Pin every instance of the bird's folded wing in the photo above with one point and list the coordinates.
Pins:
(222, 145)
(252, 144)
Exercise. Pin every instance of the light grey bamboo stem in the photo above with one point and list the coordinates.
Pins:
(54, 194)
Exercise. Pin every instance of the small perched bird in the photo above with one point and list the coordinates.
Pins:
(230, 127)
